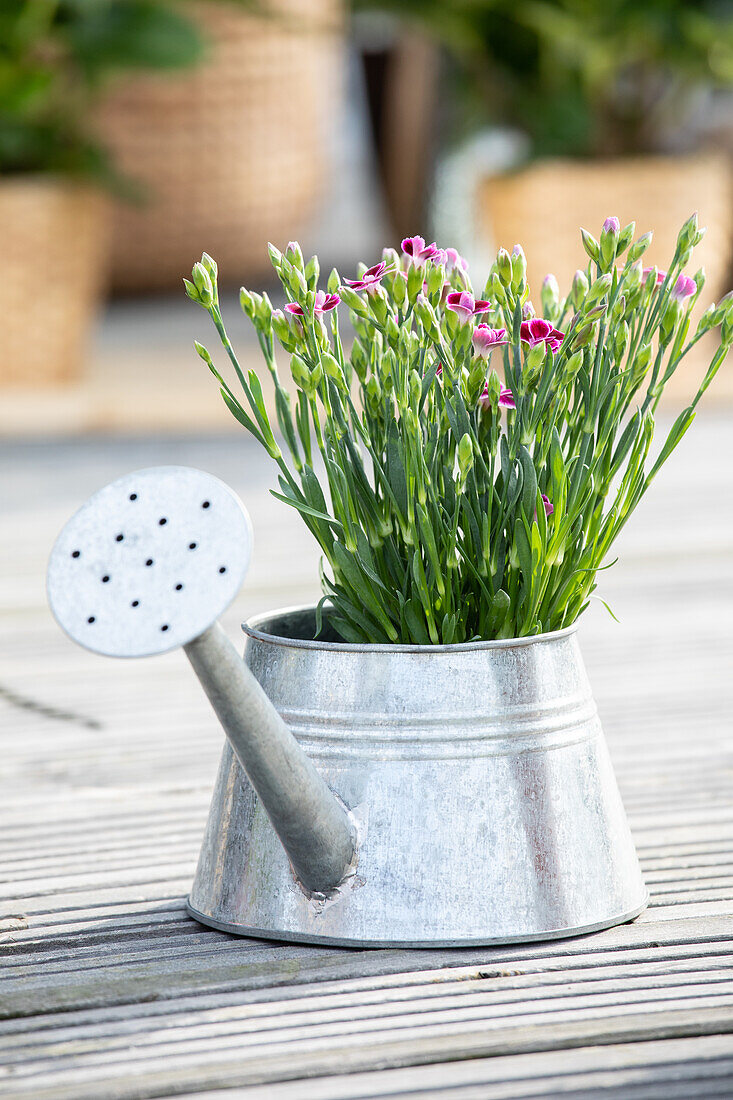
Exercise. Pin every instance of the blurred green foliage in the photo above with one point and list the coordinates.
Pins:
(57, 57)
(581, 77)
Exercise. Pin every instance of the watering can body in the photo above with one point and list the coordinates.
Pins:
(476, 779)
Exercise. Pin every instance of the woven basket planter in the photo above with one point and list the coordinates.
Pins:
(53, 238)
(542, 206)
(230, 155)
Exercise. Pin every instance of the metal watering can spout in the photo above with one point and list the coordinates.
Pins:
(147, 565)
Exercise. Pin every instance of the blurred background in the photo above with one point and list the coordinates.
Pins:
(134, 134)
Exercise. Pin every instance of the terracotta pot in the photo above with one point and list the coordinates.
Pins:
(230, 155)
(542, 206)
(53, 235)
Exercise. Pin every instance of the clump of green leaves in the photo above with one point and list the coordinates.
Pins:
(56, 59)
(445, 514)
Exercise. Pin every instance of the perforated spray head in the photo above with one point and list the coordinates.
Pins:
(149, 562)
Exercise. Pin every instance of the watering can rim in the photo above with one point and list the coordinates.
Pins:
(253, 628)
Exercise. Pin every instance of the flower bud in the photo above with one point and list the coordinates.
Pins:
(414, 281)
(333, 369)
(504, 266)
(599, 289)
(609, 242)
(550, 295)
(415, 389)
(633, 275)
(621, 341)
(579, 289)
(619, 308)
(355, 303)
(202, 282)
(584, 335)
(294, 254)
(312, 271)
(275, 256)
(572, 366)
(334, 281)
(374, 395)
(399, 290)
(435, 281)
(639, 247)
(210, 264)
(247, 303)
(359, 360)
(263, 313)
(286, 333)
(670, 321)
(495, 289)
(203, 353)
(591, 246)
(300, 373)
(624, 238)
(519, 267)
(465, 461)
(708, 319)
(641, 364)
(426, 315)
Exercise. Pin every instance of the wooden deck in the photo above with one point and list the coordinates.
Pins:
(108, 991)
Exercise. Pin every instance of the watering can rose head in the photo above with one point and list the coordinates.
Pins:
(465, 464)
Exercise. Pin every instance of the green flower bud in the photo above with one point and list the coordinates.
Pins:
(641, 364)
(286, 333)
(435, 280)
(534, 358)
(619, 308)
(426, 315)
(584, 335)
(359, 360)
(624, 238)
(726, 332)
(699, 278)
(264, 312)
(374, 395)
(465, 461)
(333, 369)
(572, 366)
(210, 265)
(599, 289)
(495, 289)
(334, 282)
(203, 353)
(392, 332)
(609, 242)
(301, 373)
(191, 291)
(633, 275)
(202, 282)
(579, 289)
(414, 282)
(550, 295)
(621, 341)
(275, 256)
(591, 246)
(355, 303)
(247, 303)
(399, 290)
(294, 255)
(670, 321)
(415, 389)
(708, 319)
(638, 249)
(504, 266)
(312, 272)
(519, 267)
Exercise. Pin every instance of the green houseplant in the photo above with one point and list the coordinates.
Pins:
(613, 99)
(459, 504)
(57, 58)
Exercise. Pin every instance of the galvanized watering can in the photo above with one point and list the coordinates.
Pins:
(368, 795)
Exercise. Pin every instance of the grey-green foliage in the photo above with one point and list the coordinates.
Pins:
(431, 508)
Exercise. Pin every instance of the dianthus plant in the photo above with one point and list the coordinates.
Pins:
(466, 463)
